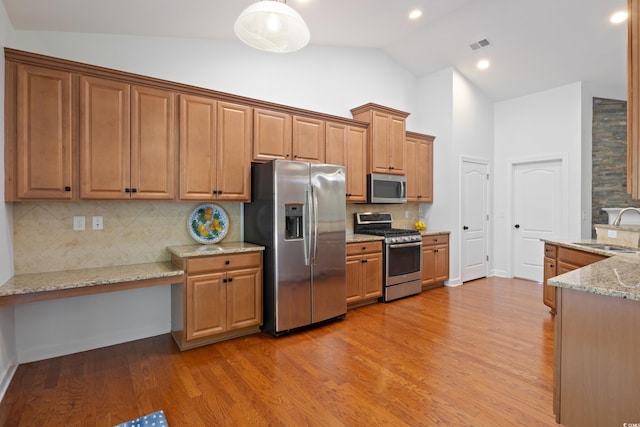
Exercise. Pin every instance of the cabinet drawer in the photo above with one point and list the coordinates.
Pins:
(550, 251)
(578, 258)
(223, 262)
(435, 240)
(364, 247)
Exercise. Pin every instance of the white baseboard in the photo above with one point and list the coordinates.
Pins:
(7, 377)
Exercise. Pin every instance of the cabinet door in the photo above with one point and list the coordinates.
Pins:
(153, 147)
(428, 265)
(308, 139)
(380, 132)
(442, 263)
(354, 279)
(395, 147)
(244, 298)
(234, 152)
(197, 148)
(271, 135)
(372, 276)
(356, 164)
(336, 144)
(549, 292)
(44, 147)
(206, 309)
(411, 153)
(105, 158)
(423, 170)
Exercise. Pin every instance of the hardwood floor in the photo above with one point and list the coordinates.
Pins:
(476, 355)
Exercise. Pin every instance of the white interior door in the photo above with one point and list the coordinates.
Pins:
(537, 213)
(475, 219)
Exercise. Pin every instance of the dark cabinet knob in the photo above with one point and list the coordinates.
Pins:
(517, 226)
(227, 262)
(465, 228)
(67, 188)
(134, 190)
(127, 190)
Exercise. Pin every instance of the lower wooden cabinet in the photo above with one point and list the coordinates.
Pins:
(559, 260)
(364, 273)
(220, 299)
(435, 260)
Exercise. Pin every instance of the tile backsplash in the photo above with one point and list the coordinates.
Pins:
(134, 231)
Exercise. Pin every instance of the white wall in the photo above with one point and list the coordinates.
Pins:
(8, 354)
(324, 79)
(542, 124)
(461, 117)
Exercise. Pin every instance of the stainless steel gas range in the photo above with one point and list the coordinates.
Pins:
(401, 253)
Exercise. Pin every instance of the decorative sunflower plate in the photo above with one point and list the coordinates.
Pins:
(208, 223)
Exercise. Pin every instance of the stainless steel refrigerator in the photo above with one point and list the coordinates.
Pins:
(297, 212)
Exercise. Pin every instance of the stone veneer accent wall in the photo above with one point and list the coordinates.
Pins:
(609, 156)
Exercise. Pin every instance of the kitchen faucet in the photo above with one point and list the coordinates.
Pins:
(616, 222)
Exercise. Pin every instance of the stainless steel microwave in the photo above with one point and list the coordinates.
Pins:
(383, 188)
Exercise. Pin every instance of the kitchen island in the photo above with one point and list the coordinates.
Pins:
(597, 343)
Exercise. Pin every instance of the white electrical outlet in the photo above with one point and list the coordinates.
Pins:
(406, 214)
(78, 223)
(97, 223)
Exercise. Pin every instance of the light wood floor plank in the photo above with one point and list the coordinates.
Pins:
(480, 354)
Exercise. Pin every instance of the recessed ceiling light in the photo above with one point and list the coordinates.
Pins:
(619, 17)
(483, 64)
(415, 14)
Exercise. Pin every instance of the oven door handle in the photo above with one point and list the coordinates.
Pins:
(405, 245)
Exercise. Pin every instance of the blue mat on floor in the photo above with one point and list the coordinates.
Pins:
(155, 419)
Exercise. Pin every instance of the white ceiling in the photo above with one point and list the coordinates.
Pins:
(535, 44)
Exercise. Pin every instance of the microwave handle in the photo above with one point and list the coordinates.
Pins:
(403, 189)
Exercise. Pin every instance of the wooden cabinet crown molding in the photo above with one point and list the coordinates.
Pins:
(23, 57)
(371, 106)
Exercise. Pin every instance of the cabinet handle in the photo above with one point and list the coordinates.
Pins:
(364, 261)
(134, 190)
(465, 227)
(286, 155)
(551, 265)
(517, 226)
(67, 188)
(126, 190)
(227, 262)
(435, 250)
(391, 168)
(230, 279)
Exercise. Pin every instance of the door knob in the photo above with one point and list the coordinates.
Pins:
(465, 227)
(517, 225)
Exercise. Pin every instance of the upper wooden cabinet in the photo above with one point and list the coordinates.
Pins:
(39, 162)
(215, 141)
(633, 99)
(346, 145)
(419, 167)
(127, 141)
(386, 138)
(278, 135)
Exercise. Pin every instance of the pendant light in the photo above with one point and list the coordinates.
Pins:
(272, 26)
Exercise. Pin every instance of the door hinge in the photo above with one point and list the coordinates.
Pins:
(487, 217)
(487, 257)
(487, 177)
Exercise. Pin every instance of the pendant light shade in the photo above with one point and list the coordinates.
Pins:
(272, 26)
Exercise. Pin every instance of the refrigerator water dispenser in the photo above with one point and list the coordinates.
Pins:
(293, 221)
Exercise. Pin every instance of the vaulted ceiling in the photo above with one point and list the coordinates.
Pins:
(533, 45)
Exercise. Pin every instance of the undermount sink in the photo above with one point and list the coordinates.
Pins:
(610, 248)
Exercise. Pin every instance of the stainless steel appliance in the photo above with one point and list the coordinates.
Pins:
(401, 254)
(383, 188)
(298, 213)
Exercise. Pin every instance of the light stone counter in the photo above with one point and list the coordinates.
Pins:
(61, 284)
(222, 248)
(616, 276)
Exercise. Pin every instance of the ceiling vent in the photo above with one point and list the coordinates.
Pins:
(479, 44)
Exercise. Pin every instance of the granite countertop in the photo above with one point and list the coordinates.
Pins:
(222, 248)
(70, 279)
(616, 276)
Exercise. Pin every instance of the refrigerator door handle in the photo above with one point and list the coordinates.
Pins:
(315, 224)
(306, 233)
